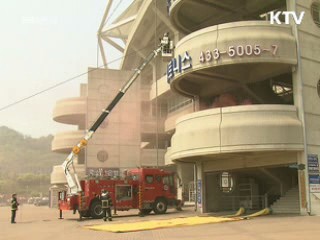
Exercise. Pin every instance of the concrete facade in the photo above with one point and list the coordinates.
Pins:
(118, 140)
(227, 68)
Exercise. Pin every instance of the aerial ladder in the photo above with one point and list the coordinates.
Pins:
(165, 47)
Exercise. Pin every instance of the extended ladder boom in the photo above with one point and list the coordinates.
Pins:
(73, 181)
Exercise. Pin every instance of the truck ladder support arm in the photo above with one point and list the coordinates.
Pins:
(123, 90)
(73, 181)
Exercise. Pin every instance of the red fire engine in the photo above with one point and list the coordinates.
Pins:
(143, 189)
(146, 189)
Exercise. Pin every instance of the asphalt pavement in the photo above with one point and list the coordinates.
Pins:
(42, 223)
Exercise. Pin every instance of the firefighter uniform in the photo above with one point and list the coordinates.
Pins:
(106, 204)
(14, 207)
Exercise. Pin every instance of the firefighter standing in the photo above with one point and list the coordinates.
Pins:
(14, 207)
(106, 203)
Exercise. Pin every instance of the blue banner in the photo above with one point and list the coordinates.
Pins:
(199, 192)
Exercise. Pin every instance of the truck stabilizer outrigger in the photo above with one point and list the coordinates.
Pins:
(165, 47)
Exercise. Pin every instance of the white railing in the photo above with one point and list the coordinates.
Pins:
(246, 201)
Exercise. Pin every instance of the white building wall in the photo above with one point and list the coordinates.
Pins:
(119, 135)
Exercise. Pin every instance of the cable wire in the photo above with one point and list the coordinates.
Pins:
(69, 79)
(75, 77)
(115, 9)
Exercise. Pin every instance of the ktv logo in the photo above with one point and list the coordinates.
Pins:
(274, 17)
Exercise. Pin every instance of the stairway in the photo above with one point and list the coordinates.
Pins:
(289, 203)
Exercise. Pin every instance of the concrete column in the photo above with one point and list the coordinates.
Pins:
(54, 190)
(298, 93)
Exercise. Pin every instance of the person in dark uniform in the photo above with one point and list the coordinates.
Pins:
(106, 204)
(14, 207)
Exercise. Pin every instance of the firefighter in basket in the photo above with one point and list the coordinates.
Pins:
(106, 204)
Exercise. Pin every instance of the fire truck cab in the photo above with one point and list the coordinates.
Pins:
(146, 189)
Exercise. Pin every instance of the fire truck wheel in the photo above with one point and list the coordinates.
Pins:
(146, 211)
(96, 210)
(84, 213)
(160, 206)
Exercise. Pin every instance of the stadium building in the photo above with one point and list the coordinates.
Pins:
(235, 111)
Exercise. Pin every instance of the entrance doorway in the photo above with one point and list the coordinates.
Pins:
(253, 188)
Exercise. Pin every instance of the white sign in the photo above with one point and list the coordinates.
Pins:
(314, 183)
(315, 188)
(274, 17)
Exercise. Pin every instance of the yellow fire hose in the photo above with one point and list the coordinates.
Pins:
(176, 222)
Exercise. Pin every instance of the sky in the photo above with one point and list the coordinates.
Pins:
(42, 43)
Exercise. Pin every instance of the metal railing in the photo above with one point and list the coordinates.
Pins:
(189, 193)
(247, 201)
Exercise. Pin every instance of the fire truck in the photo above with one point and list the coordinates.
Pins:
(144, 189)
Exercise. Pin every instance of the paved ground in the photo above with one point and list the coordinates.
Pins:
(42, 223)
